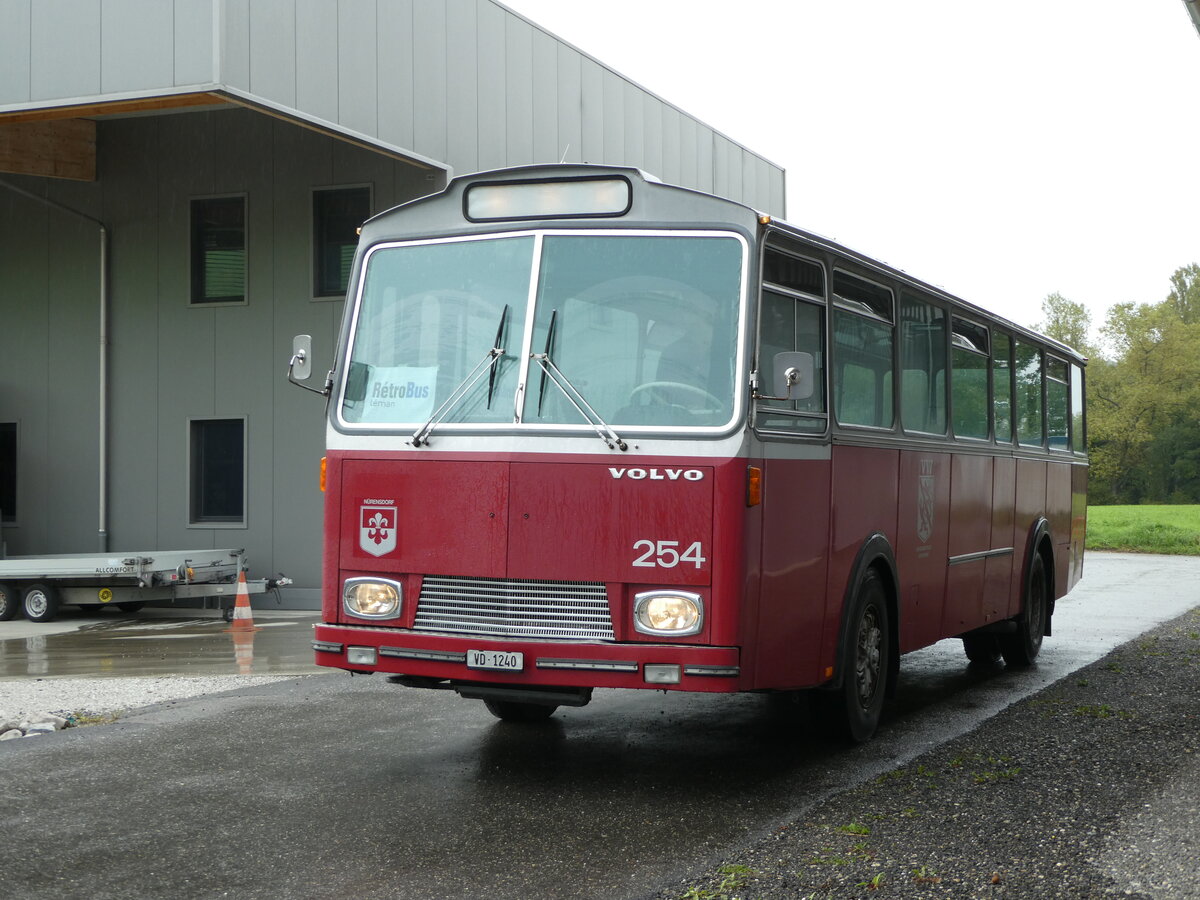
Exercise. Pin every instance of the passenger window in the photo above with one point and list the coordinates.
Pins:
(1030, 430)
(790, 324)
(791, 321)
(969, 379)
(1058, 404)
(863, 353)
(923, 366)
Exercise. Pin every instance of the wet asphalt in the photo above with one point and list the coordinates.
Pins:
(333, 787)
(156, 642)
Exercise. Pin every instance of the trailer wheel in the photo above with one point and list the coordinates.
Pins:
(41, 602)
(1021, 649)
(512, 711)
(9, 607)
(130, 607)
(852, 711)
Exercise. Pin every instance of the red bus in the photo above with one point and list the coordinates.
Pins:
(588, 430)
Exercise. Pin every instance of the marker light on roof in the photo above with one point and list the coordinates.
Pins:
(580, 197)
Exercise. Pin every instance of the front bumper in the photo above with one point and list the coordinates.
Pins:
(550, 663)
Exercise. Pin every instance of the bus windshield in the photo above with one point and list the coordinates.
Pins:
(643, 326)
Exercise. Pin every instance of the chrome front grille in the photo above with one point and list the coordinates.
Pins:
(502, 607)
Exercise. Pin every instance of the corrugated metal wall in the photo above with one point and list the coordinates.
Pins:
(464, 82)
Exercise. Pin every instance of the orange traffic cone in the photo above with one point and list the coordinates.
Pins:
(241, 606)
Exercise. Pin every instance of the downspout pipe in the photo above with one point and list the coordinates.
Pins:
(102, 437)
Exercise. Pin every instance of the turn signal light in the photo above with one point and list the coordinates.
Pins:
(323, 463)
(753, 486)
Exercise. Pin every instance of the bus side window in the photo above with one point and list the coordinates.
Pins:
(792, 319)
(1031, 431)
(922, 366)
(863, 352)
(969, 379)
(1058, 404)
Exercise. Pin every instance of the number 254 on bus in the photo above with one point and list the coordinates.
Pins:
(588, 430)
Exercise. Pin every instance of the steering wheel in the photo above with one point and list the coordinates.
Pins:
(680, 386)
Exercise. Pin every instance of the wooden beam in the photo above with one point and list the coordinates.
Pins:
(63, 148)
(116, 107)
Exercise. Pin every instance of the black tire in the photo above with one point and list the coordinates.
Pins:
(40, 602)
(10, 606)
(512, 711)
(91, 608)
(1021, 648)
(982, 649)
(852, 711)
(131, 607)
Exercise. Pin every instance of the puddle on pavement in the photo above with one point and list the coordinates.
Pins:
(144, 646)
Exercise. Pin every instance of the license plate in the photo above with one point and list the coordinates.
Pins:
(495, 659)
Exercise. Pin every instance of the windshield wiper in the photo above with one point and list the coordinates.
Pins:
(576, 399)
(491, 360)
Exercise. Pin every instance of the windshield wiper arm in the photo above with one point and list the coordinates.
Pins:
(496, 358)
(491, 359)
(546, 353)
(602, 428)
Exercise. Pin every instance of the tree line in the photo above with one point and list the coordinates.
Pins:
(1143, 402)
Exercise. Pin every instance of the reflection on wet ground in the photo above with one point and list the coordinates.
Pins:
(156, 642)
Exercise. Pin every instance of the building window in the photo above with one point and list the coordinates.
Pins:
(217, 472)
(219, 250)
(8, 472)
(337, 214)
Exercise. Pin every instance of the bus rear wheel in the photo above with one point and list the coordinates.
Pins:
(513, 711)
(852, 711)
(1021, 648)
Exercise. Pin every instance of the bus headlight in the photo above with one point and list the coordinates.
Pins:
(372, 598)
(673, 613)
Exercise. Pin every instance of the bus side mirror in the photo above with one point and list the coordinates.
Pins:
(300, 365)
(792, 376)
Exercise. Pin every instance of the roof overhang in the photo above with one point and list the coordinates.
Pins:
(59, 140)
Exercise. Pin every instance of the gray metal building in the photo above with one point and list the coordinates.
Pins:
(179, 182)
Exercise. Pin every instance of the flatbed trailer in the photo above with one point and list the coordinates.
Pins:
(38, 586)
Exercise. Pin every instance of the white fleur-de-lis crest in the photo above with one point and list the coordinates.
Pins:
(377, 529)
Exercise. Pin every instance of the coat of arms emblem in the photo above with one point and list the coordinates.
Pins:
(925, 502)
(377, 529)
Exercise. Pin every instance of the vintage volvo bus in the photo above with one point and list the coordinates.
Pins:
(588, 430)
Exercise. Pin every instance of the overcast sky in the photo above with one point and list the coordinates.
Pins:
(1001, 150)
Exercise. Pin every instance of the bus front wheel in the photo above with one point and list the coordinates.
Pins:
(852, 710)
(1020, 648)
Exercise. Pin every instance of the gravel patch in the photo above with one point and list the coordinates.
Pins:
(102, 696)
(1090, 788)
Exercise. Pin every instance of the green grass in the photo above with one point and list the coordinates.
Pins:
(1145, 529)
